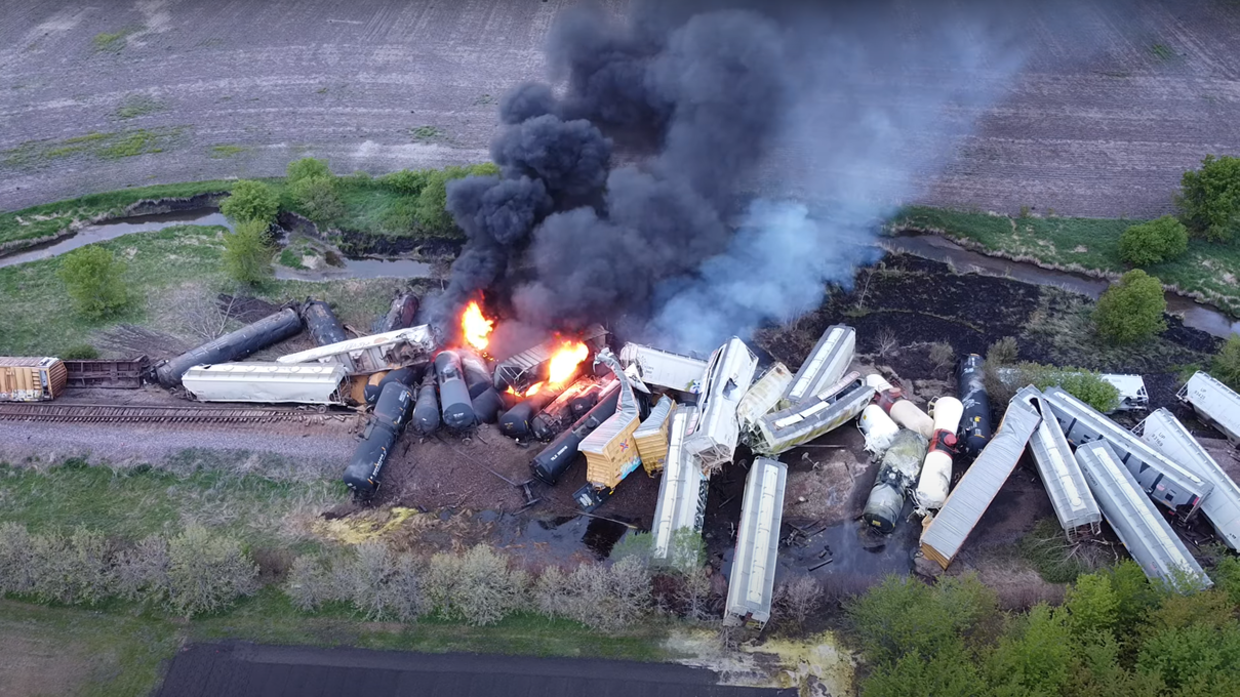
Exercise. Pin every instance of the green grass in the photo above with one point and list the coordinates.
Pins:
(181, 261)
(221, 152)
(112, 42)
(427, 134)
(106, 146)
(1085, 244)
(136, 105)
(1050, 554)
(1162, 52)
(291, 259)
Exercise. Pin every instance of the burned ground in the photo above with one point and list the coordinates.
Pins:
(240, 90)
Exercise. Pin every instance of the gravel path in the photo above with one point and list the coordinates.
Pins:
(349, 81)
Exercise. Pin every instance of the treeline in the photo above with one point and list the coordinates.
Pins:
(1115, 635)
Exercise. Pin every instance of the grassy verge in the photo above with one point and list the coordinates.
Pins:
(166, 270)
(1084, 244)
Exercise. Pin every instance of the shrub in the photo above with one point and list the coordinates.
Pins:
(478, 587)
(1002, 352)
(431, 209)
(942, 355)
(405, 181)
(80, 352)
(206, 572)
(383, 584)
(142, 572)
(16, 574)
(318, 197)
(305, 168)
(1091, 605)
(1085, 385)
(903, 616)
(94, 279)
(799, 599)
(1226, 365)
(70, 569)
(950, 671)
(1154, 242)
(594, 594)
(1209, 199)
(311, 582)
(247, 253)
(1132, 309)
(1036, 658)
(251, 200)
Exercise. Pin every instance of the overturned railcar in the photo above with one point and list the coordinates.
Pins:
(365, 471)
(973, 494)
(751, 585)
(521, 370)
(651, 437)
(1216, 404)
(682, 490)
(975, 422)
(267, 383)
(763, 396)
(897, 474)
(559, 414)
(782, 431)
(824, 365)
(1075, 507)
(232, 346)
(34, 379)
(1166, 482)
(551, 464)
(727, 377)
(454, 402)
(1137, 523)
(663, 369)
(610, 450)
(420, 340)
(1163, 432)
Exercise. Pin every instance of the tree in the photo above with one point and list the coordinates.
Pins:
(903, 615)
(206, 572)
(1035, 659)
(1209, 199)
(1091, 605)
(432, 203)
(94, 278)
(305, 168)
(1226, 365)
(251, 200)
(318, 196)
(1154, 242)
(950, 671)
(1132, 309)
(479, 587)
(247, 254)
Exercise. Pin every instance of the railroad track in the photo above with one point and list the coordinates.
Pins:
(111, 413)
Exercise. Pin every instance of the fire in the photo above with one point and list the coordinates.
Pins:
(476, 327)
(565, 361)
(533, 389)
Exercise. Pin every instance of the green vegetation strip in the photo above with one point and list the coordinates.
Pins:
(1089, 245)
(34, 154)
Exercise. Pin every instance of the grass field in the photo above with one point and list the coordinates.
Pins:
(165, 270)
(1084, 244)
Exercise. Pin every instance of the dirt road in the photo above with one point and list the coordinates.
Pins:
(270, 671)
(222, 89)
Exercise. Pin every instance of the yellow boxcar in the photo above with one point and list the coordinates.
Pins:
(25, 379)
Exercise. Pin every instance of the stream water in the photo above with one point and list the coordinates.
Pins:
(346, 268)
(1196, 315)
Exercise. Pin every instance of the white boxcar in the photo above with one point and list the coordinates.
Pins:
(784, 430)
(309, 383)
(683, 489)
(670, 371)
(1162, 431)
(1139, 525)
(763, 396)
(1214, 402)
(824, 366)
(1074, 505)
(727, 378)
(751, 584)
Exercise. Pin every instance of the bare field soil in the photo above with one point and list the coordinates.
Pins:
(191, 90)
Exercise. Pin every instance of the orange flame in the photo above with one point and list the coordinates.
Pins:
(476, 327)
(565, 361)
(534, 389)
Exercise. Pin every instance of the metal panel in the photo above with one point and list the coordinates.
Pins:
(763, 396)
(752, 581)
(824, 365)
(265, 382)
(1139, 525)
(1221, 507)
(31, 379)
(419, 337)
(663, 369)
(726, 380)
(783, 430)
(946, 534)
(1165, 481)
(1214, 402)
(1074, 505)
(611, 454)
(125, 374)
(683, 489)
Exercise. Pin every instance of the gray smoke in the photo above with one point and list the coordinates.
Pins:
(849, 111)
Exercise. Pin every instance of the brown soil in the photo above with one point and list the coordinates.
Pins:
(38, 665)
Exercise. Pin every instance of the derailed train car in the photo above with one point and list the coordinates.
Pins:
(365, 471)
(273, 383)
(1216, 404)
(727, 378)
(610, 450)
(781, 431)
(663, 369)
(232, 346)
(1074, 504)
(824, 366)
(34, 379)
(682, 490)
(751, 585)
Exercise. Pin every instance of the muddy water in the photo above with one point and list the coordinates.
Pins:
(346, 268)
(560, 539)
(1196, 315)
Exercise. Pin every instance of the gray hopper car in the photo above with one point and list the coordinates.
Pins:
(824, 366)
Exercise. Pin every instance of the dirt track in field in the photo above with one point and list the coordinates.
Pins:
(351, 82)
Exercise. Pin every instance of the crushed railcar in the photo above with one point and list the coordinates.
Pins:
(233, 346)
(108, 373)
(663, 369)
(1137, 523)
(31, 379)
(1216, 404)
(782, 431)
(651, 437)
(824, 366)
(727, 378)
(1166, 482)
(1075, 507)
(610, 450)
(682, 490)
(520, 371)
(1162, 431)
(751, 585)
(975, 491)
(267, 383)
(763, 396)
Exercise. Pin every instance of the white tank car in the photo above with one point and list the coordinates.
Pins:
(936, 471)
